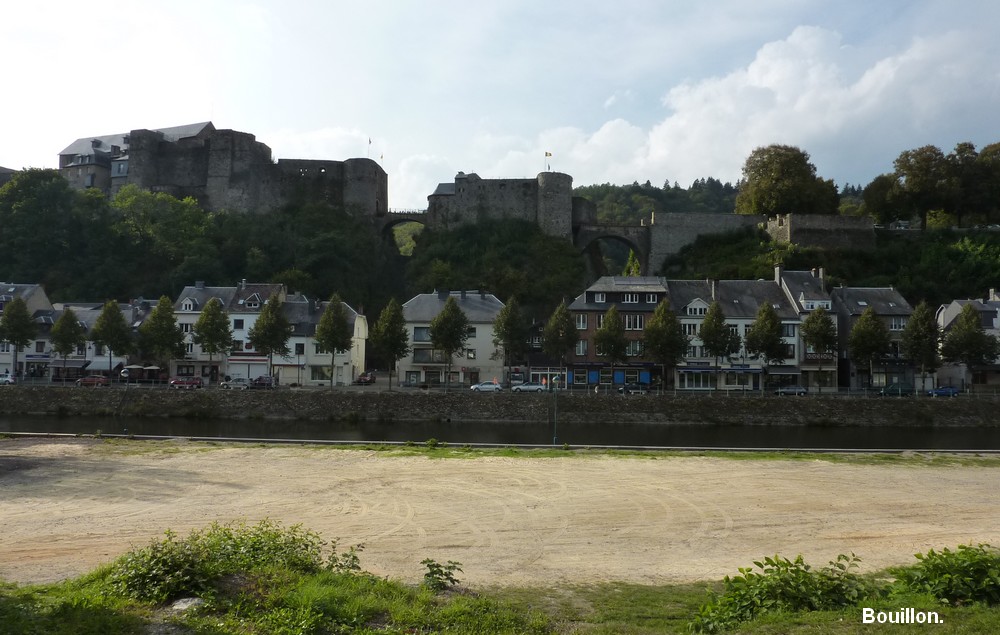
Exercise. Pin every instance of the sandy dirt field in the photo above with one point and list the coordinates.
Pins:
(67, 506)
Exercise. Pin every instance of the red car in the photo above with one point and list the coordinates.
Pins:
(92, 380)
(188, 383)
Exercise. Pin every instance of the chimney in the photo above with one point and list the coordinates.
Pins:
(442, 295)
(463, 294)
(199, 284)
(243, 284)
(712, 282)
(778, 270)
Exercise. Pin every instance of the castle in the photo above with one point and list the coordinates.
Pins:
(230, 170)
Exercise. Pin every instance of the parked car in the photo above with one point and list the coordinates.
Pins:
(794, 389)
(187, 383)
(7, 379)
(264, 381)
(944, 391)
(92, 380)
(530, 386)
(365, 379)
(896, 390)
(487, 386)
(236, 383)
(633, 388)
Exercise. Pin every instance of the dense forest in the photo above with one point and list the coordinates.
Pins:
(83, 246)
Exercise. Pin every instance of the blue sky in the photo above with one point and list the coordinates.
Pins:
(617, 92)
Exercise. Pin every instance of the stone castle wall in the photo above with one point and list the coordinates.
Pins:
(231, 170)
(668, 233)
(820, 230)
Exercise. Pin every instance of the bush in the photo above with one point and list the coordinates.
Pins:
(968, 574)
(172, 568)
(783, 585)
(440, 576)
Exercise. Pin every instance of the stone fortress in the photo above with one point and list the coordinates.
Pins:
(231, 170)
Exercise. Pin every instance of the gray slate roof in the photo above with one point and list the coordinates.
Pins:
(85, 145)
(883, 300)
(804, 285)
(479, 307)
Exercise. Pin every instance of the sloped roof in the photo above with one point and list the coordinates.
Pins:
(479, 307)
(304, 314)
(86, 145)
(681, 293)
(805, 285)
(743, 298)
(883, 300)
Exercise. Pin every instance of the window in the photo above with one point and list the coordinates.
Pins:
(581, 348)
(471, 332)
(470, 353)
(237, 325)
(630, 298)
(98, 349)
(787, 330)
(421, 333)
(651, 298)
(39, 346)
(633, 321)
(81, 349)
(427, 356)
(581, 321)
(187, 306)
(185, 328)
(300, 348)
(634, 348)
(599, 297)
(692, 329)
(4, 347)
(600, 320)
(696, 310)
(897, 323)
(185, 371)
(317, 349)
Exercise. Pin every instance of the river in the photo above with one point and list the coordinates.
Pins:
(531, 434)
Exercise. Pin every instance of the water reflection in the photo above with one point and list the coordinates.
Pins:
(576, 434)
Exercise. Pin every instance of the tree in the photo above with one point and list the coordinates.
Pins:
(664, 340)
(510, 332)
(389, 338)
(449, 331)
(111, 330)
(610, 340)
(920, 341)
(334, 333)
(719, 339)
(765, 338)
(17, 326)
(779, 179)
(633, 267)
(271, 331)
(881, 198)
(820, 334)
(923, 177)
(159, 335)
(212, 332)
(559, 335)
(967, 343)
(66, 335)
(868, 340)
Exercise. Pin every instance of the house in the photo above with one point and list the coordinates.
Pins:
(894, 311)
(806, 290)
(33, 359)
(243, 303)
(479, 361)
(989, 312)
(308, 365)
(91, 358)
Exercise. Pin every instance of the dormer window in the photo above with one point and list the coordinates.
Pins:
(630, 298)
(188, 305)
(651, 298)
(599, 297)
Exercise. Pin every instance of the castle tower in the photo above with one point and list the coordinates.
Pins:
(555, 204)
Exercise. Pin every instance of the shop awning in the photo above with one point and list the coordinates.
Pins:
(69, 363)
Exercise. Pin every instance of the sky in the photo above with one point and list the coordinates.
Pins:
(630, 91)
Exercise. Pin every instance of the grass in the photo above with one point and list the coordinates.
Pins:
(433, 449)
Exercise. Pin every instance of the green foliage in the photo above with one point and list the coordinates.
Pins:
(968, 574)
(868, 339)
(779, 179)
(389, 339)
(172, 568)
(449, 331)
(664, 340)
(506, 257)
(334, 333)
(159, 335)
(212, 332)
(111, 329)
(510, 332)
(17, 326)
(765, 336)
(559, 335)
(921, 339)
(783, 585)
(67, 333)
(271, 331)
(440, 576)
(719, 340)
(967, 342)
(610, 340)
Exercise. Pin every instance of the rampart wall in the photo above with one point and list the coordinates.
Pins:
(820, 230)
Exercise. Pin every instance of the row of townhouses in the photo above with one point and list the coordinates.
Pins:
(792, 294)
(305, 364)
